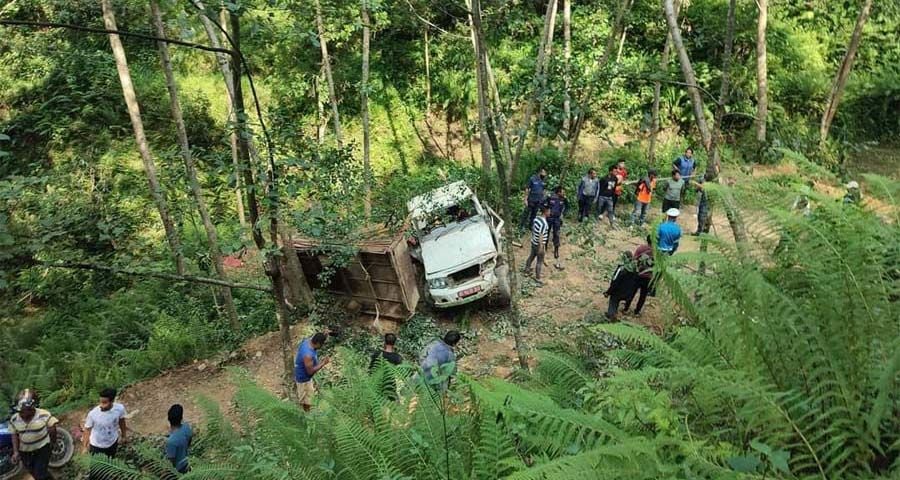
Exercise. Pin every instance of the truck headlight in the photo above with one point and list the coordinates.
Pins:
(436, 283)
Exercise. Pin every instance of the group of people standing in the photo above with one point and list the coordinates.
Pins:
(104, 430)
(599, 197)
(437, 362)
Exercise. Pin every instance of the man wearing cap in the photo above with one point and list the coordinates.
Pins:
(669, 233)
(853, 195)
(33, 434)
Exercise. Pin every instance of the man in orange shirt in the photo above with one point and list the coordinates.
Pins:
(622, 175)
(643, 194)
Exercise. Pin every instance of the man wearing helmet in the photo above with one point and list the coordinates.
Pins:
(34, 432)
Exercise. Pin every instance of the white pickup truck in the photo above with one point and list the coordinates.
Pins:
(459, 242)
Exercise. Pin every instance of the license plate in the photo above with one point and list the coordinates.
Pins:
(469, 292)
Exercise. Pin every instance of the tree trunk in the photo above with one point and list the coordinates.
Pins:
(134, 111)
(272, 262)
(212, 236)
(712, 167)
(364, 108)
(537, 82)
(657, 90)
(688, 70)
(298, 290)
(222, 60)
(567, 57)
(321, 118)
(539, 140)
(840, 81)
(578, 121)
(621, 45)
(482, 65)
(326, 65)
(762, 75)
(481, 86)
(427, 74)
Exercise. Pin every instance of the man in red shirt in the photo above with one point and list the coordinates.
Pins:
(622, 175)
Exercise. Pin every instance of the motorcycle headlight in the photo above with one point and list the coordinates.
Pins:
(437, 283)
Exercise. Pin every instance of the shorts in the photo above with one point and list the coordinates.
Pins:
(38, 462)
(109, 451)
(305, 392)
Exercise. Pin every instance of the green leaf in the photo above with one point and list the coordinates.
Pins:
(744, 464)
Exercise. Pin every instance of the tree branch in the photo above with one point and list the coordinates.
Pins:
(161, 275)
(142, 36)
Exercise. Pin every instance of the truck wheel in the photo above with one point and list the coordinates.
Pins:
(504, 292)
(8, 470)
(62, 449)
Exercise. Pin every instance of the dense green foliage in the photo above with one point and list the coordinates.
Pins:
(784, 359)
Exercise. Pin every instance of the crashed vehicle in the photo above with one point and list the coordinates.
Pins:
(458, 241)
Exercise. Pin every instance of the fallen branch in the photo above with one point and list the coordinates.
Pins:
(164, 276)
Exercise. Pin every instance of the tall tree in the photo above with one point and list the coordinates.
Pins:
(840, 81)
(273, 266)
(712, 167)
(212, 236)
(688, 71)
(364, 108)
(598, 69)
(539, 80)
(481, 85)
(762, 74)
(137, 124)
(657, 91)
(222, 59)
(567, 59)
(326, 66)
(482, 70)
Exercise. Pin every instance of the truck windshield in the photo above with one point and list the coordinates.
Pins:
(450, 215)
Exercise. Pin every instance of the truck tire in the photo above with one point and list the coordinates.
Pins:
(8, 471)
(504, 292)
(62, 449)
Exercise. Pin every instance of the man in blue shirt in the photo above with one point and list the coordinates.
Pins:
(669, 233)
(534, 197)
(179, 441)
(685, 164)
(438, 359)
(306, 364)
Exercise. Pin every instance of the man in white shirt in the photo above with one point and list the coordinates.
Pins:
(104, 427)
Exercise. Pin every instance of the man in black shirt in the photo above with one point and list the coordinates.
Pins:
(607, 191)
(387, 353)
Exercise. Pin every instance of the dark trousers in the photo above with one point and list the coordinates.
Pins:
(613, 307)
(704, 219)
(667, 204)
(537, 253)
(531, 210)
(584, 207)
(108, 451)
(605, 204)
(555, 226)
(643, 289)
(38, 462)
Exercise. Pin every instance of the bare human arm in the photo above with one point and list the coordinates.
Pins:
(123, 437)
(311, 368)
(85, 438)
(15, 445)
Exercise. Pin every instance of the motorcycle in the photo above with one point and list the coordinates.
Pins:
(61, 451)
